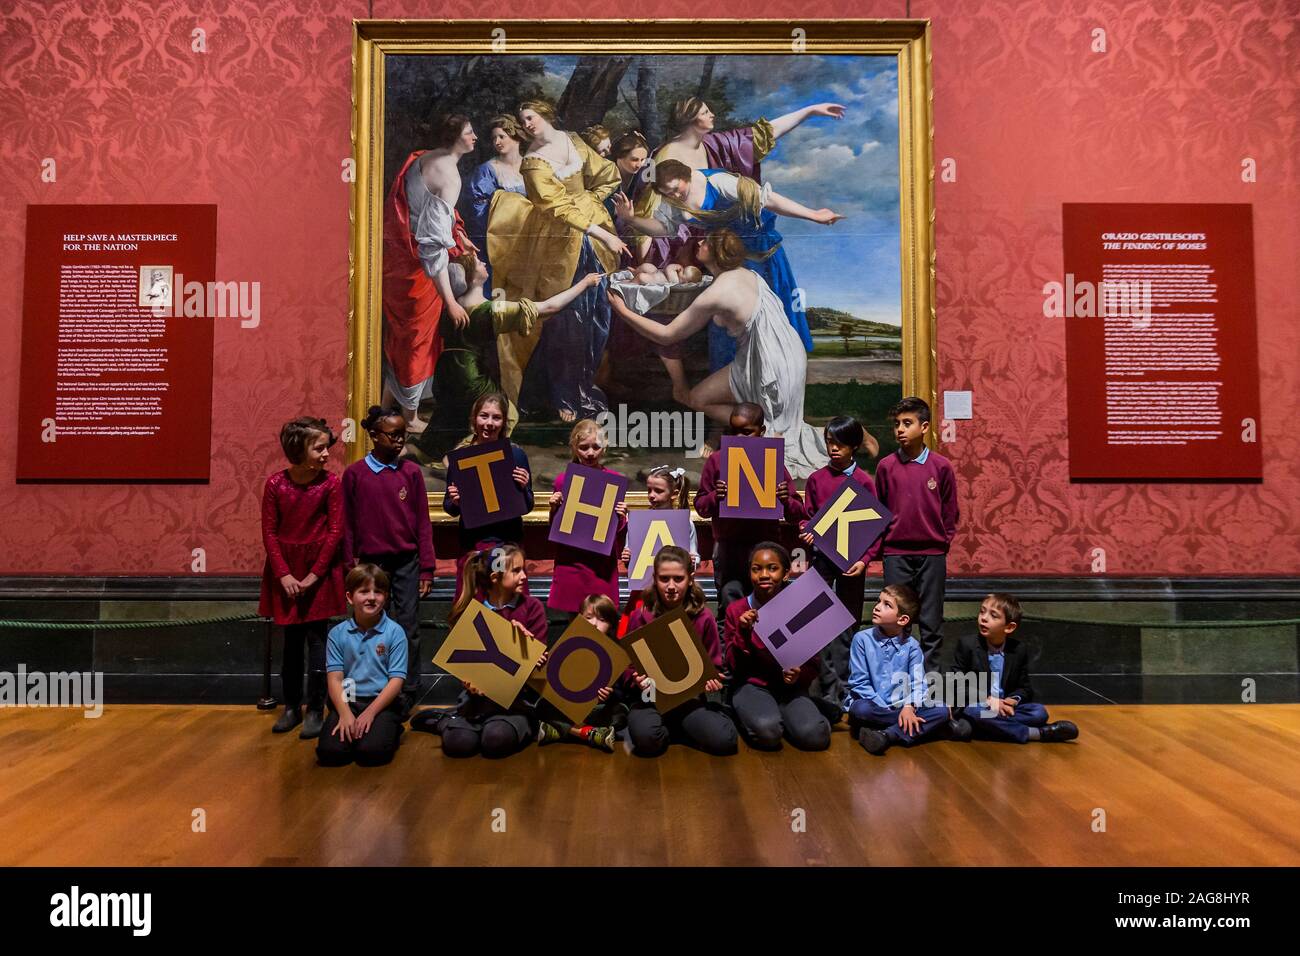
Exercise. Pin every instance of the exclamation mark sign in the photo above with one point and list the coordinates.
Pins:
(816, 607)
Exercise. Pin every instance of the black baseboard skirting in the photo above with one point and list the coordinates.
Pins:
(245, 588)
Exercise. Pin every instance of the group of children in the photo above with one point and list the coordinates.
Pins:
(374, 521)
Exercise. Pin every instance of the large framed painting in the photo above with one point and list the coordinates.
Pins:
(642, 223)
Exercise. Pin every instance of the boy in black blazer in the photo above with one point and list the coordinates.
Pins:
(1009, 712)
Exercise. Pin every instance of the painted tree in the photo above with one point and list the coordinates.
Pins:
(706, 77)
(420, 89)
(645, 110)
(592, 90)
(647, 100)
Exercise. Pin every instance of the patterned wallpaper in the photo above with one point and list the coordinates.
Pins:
(1031, 115)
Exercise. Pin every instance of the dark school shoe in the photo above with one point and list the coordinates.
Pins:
(312, 725)
(873, 742)
(960, 729)
(288, 720)
(1058, 732)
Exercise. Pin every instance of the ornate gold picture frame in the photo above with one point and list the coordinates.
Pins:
(906, 42)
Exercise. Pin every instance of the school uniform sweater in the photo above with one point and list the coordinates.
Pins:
(822, 486)
(525, 609)
(742, 533)
(386, 512)
(922, 494)
(749, 660)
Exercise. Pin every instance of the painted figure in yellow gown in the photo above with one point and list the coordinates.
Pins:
(541, 243)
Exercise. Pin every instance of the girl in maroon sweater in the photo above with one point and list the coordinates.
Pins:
(699, 722)
(302, 581)
(495, 576)
(769, 702)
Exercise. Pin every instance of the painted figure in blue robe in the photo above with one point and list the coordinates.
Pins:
(696, 141)
(702, 200)
(508, 139)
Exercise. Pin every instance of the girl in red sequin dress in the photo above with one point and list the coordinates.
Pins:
(302, 583)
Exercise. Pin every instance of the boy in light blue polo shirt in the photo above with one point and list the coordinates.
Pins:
(369, 652)
(887, 687)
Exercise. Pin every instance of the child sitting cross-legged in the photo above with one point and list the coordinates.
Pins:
(601, 727)
(886, 699)
(1009, 712)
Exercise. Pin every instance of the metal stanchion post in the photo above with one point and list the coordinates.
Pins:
(267, 701)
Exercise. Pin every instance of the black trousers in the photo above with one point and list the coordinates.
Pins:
(376, 747)
(833, 678)
(698, 723)
(731, 572)
(926, 574)
(481, 726)
(403, 570)
(767, 716)
(310, 634)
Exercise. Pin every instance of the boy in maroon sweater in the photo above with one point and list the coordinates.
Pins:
(920, 488)
(386, 522)
(734, 538)
(845, 437)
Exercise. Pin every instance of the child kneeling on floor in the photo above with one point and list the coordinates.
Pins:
(770, 702)
(365, 721)
(495, 576)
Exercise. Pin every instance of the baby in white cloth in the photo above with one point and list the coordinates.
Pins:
(671, 274)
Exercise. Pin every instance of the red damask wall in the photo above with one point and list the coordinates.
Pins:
(259, 125)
